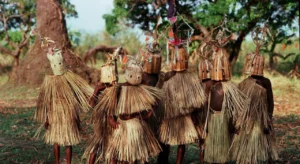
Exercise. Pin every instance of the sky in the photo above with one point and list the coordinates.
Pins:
(90, 14)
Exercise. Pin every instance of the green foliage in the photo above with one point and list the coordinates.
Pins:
(140, 13)
(69, 9)
(17, 18)
(241, 14)
(126, 37)
(110, 24)
(74, 36)
(15, 36)
(18, 144)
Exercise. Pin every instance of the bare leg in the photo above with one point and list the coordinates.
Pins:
(164, 155)
(56, 153)
(69, 154)
(180, 153)
(93, 155)
(201, 148)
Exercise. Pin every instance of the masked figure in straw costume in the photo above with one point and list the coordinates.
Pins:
(63, 95)
(183, 92)
(199, 116)
(225, 103)
(152, 76)
(256, 140)
(183, 95)
(98, 141)
(128, 104)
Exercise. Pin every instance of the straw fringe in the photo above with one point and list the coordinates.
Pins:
(258, 111)
(107, 103)
(218, 140)
(98, 140)
(132, 141)
(183, 94)
(217, 143)
(69, 86)
(61, 99)
(134, 99)
(235, 102)
(101, 129)
(252, 145)
(199, 120)
(178, 131)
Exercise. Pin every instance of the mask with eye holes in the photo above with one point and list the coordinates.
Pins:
(133, 74)
(56, 61)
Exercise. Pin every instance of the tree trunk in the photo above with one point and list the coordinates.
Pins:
(235, 50)
(271, 56)
(50, 23)
(16, 60)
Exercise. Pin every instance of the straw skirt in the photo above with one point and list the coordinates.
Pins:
(252, 145)
(183, 94)
(61, 99)
(217, 143)
(98, 141)
(132, 141)
(178, 131)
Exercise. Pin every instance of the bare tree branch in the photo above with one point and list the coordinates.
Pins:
(13, 16)
(281, 56)
(4, 50)
(91, 53)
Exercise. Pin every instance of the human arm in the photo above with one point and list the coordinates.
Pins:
(93, 100)
(146, 114)
(270, 98)
(112, 120)
(169, 75)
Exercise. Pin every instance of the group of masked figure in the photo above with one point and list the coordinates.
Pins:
(141, 118)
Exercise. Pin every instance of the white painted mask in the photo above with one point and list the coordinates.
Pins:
(108, 73)
(133, 74)
(56, 61)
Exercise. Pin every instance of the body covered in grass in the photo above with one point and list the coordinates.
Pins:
(62, 96)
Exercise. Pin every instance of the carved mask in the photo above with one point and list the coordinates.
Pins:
(56, 61)
(255, 64)
(221, 67)
(204, 69)
(133, 74)
(108, 73)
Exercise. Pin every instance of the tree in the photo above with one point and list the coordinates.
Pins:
(95, 45)
(17, 17)
(50, 22)
(243, 16)
(11, 18)
(90, 54)
(277, 37)
(295, 71)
